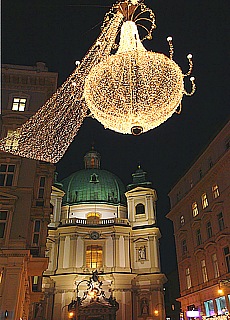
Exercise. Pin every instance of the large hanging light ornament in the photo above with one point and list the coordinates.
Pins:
(131, 91)
(135, 90)
(47, 135)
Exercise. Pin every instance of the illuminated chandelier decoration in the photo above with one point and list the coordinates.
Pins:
(135, 90)
(131, 91)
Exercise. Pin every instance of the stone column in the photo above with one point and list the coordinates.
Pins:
(61, 252)
(154, 252)
(73, 251)
(127, 252)
(116, 261)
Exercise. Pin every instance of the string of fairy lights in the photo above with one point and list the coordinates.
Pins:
(47, 134)
(131, 91)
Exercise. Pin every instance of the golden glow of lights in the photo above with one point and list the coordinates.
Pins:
(135, 87)
(156, 312)
(131, 91)
(71, 314)
(47, 135)
(220, 291)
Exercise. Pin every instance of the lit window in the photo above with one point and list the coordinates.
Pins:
(198, 237)
(182, 221)
(184, 247)
(36, 233)
(195, 209)
(94, 256)
(1, 275)
(12, 140)
(220, 221)
(204, 270)
(221, 305)
(209, 229)
(204, 200)
(3, 221)
(188, 278)
(140, 208)
(209, 308)
(215, 191)
(19, 104)
(215, 266)
(36, 281)
(6, 174)
(227, 258)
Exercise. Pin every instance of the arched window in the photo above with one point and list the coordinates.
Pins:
(140, 208)
(93, 257)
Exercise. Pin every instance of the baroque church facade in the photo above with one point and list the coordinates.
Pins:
(97, 225)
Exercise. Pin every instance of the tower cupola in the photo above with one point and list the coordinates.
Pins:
(92, 159)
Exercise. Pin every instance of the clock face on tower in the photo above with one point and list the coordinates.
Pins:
(94, 235)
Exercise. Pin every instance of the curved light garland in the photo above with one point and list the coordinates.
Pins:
(49, 132)
(131, 91)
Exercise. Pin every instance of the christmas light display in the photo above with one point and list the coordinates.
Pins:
(130, 91)
(47, 134)
(135, 90)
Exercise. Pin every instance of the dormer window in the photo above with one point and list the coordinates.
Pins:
(19, 104)
(94, 178)
(140, 208)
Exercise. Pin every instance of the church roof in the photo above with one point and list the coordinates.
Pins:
(93, 184)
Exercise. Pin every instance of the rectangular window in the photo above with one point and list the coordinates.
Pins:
(215, 191)
(94, 256)
(198, 237)
(209, 229)
(19, 104)
(195, 209)
(41, 189)
(204, 270)
(221, 305)
(215, 266)
(184, 247)
(182, 221)
(36, 283)
(6, 174)
(227, 258)
(188, 278)
(3, 221)
(204, 200)
(12, 140)
(209, 308)
(220, 221)
(36, 233)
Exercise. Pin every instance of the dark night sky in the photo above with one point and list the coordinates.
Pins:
(60, 32)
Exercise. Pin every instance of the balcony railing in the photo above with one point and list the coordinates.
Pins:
(100, 222)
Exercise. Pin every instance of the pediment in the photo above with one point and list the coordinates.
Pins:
(7, 196)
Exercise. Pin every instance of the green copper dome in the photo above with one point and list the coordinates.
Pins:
(93, 184)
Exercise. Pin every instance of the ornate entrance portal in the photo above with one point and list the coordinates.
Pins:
(93, 305)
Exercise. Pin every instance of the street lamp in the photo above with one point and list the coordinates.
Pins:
(157, 309)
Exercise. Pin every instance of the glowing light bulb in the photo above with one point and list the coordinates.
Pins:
(169, 39)
(192, 79)
(189, 56)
